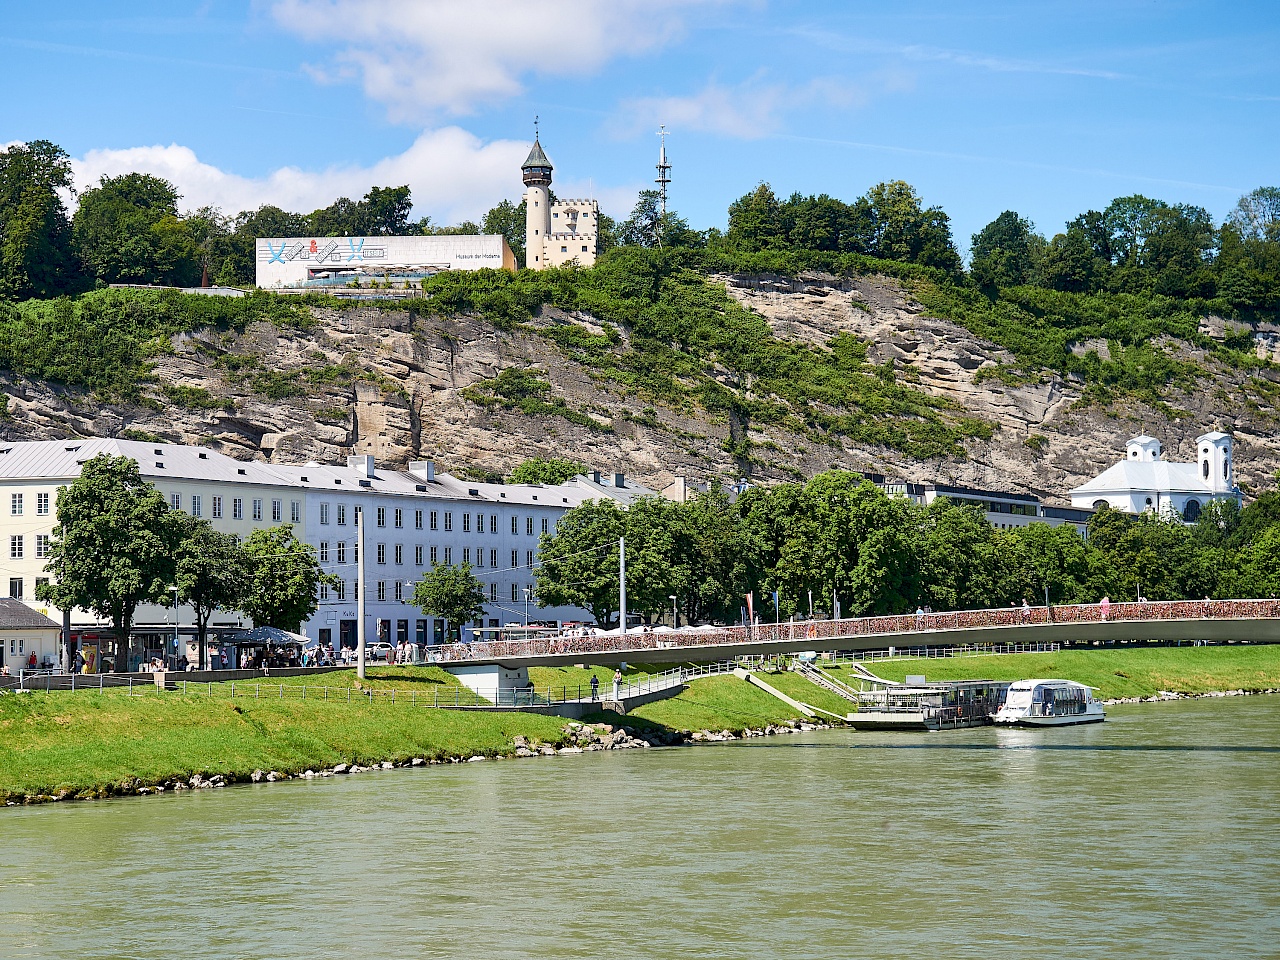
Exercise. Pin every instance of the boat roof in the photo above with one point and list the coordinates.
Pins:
(1037, 682)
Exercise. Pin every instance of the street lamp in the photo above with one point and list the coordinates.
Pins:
(526, 613)
(174, 590)
(675, 616)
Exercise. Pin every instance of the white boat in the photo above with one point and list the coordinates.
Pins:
(1049, 703)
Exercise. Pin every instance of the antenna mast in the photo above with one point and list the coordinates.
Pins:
(664, 168)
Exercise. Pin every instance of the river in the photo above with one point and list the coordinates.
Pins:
(1156, 834)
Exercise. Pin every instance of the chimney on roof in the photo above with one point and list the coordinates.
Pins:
(363, 463)
(619, 480)
(595, 476)
(431, 471)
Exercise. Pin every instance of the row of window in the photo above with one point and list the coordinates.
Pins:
(397, 516)
(398, 591)
(16, 504)
(237, 508)
(339, 554)
(18, 546)
(16, 585)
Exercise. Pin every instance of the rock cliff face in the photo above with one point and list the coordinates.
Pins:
(380, 381)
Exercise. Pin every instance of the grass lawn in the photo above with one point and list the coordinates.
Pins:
(1115, 672)
(83, 741)
(716, 703)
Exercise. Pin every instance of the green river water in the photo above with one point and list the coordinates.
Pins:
(1156, 834)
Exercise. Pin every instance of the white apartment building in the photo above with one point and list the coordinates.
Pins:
(416, 517)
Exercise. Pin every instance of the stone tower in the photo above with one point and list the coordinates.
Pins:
(537, 198)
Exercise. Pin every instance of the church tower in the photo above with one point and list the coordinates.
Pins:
(537, 200)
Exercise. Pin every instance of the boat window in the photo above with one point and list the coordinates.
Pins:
(1018, 699)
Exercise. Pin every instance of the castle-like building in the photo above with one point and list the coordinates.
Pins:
(560, 232)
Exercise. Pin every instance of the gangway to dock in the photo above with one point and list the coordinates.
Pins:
(829, 683)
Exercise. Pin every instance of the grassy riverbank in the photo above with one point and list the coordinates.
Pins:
(96, 744)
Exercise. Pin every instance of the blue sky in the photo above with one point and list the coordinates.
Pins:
(1047, 108)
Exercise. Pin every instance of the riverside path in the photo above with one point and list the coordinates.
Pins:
(1253, 621)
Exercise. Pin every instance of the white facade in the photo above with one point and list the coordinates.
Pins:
(1143, 482)
(556, 233)
(416, 517)
(320, 262)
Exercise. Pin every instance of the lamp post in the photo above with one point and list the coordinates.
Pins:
(675, 615)
(174, 591)
(526, 613)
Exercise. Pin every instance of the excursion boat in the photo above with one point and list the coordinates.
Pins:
(1049, 703)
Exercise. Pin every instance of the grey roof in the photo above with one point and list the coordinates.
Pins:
(536, 157)
(16, 615)
(62, 459)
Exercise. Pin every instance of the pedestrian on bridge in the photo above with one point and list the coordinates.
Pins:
(1106, 607)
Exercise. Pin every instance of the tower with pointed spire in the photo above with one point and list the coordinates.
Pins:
(557, 232)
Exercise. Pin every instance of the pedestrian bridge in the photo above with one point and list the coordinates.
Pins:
(1219, 621)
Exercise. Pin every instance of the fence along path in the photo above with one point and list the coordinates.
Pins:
(890, 627)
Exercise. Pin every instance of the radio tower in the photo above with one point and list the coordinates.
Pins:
(664, 169)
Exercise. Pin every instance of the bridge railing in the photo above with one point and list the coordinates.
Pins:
(885, 626)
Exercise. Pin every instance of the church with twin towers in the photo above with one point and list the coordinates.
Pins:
(560, 231)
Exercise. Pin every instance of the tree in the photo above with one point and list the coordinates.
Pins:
(1257, 215)
(35, 232)
(127, 230)
(1069, 262)
(113, 546)
(1005, 251)
(548, 470)
(649, 227)
(210, 573)
(579, 562)
(902, 229)
(282, 579)
(755, 221)
(450, 592)
(510, 221)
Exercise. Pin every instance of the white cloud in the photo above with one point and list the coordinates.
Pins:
(453, 175)
(746, 111)
(424, 57)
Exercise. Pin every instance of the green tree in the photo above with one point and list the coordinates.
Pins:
(649, 227)
(508, 219)
(282, 579)
(1005, 251)
(451, 593)
(1069, 262)
(548, 470)
(755, 221)
(579, 562)
(901, 228)
(127, 230)
(1257, 215)
(113, 546)
(35, 232)
(210, 573)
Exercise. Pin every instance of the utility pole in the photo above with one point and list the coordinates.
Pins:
(664, 178)
(664, 169)
(622, 584)
(359, 513)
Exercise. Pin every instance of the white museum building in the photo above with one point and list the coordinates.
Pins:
(1143, 482)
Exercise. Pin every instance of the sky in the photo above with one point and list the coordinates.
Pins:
(1047, 108)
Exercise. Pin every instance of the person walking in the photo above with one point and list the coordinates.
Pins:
(595, 687)
(1106, 607)
(1026, 609)
(617, 680)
